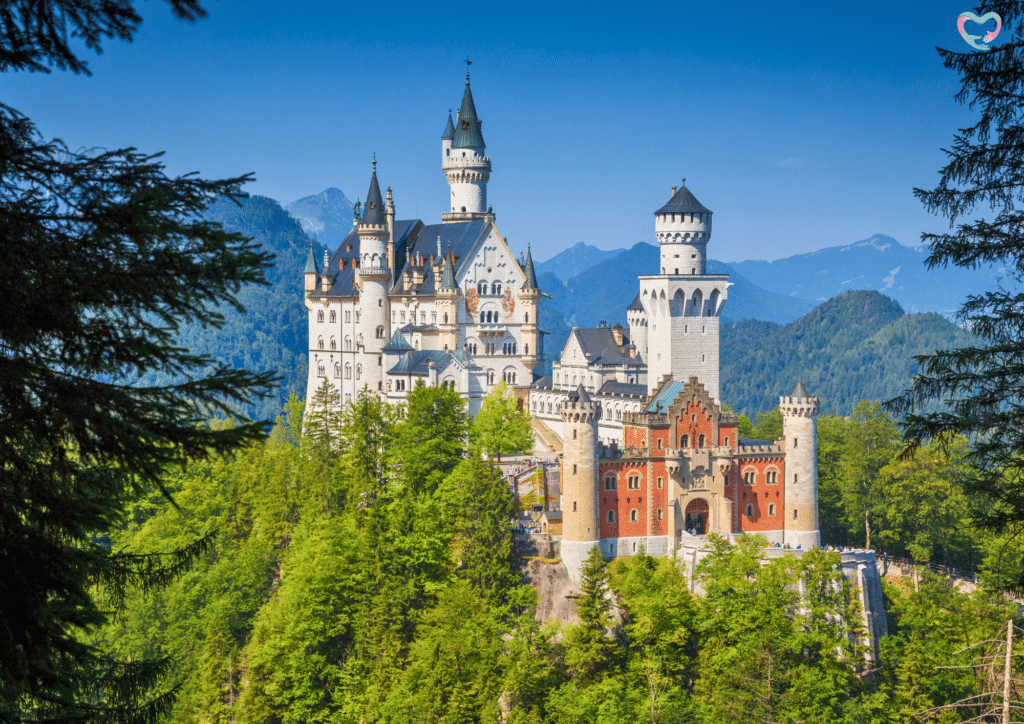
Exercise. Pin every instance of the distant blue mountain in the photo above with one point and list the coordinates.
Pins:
(880, 264)
(326, 216)
(575, 260)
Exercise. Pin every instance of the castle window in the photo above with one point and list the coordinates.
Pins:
(750, 510)
(693, 271)
(320, 343)
(795, 441)
(433, 317)
(348, 344)
(446, 317)
(661, 443)
(618, 414)
(771, 510)
(574, 468)
(574, 433)
(611, 516)
(794, 477)
(702, 357)
(496, 288)
(490, 377)
(611, 481)
(357, 316)
(771, 477)
(348, 372)
(481, 288)
(660, 512)
(380, 302)
(703, 330)
(482, 317)
(794, 514)
(423, 318)
(677, 270)
(726, 441)
(333, 344)
(749, 477)
(380, 332)
(337, 369)
(700, 441)
(321, 370)
(634, 515)
(574, 506)
(401, 317)
(359, 372)
(320, 315)
(661, 484)
(684, 441)
(634, 482)
(527, 317)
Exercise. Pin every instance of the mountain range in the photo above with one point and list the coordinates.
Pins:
(326, 216)
(858, 345)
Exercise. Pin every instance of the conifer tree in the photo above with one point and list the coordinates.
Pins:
(588, 647)
(980, 191)
(105, 258)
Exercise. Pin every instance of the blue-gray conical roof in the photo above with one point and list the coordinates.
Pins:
(683, 201)
(373, 209)
(449, 130)
(468, 134)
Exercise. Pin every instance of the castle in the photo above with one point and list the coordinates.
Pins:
(650, 457)
(402, 301)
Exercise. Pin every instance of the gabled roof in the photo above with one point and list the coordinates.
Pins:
(799, 390)
(449, 130)
(414, 237)
(598, 347)
(311, 267)
(468, 134)
(681, 201)
(397, 343)
(665, 396)
(635, 305)
(531, 275)
(417, 362)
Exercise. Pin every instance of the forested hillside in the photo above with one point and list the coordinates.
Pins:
(859, 345)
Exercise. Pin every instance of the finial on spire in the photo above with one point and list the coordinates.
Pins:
(684, 180)
(468, 63)
(327, 261)
(375, 162)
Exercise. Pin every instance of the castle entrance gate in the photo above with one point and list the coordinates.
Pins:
(697, 516)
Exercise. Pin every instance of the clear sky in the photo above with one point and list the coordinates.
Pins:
(801, 125)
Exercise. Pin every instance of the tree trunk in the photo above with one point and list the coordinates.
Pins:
(867, 528)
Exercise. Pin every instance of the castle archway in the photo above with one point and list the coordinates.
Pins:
(697, 516)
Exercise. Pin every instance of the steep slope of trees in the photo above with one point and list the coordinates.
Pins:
(859, 345)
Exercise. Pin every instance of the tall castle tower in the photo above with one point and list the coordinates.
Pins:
(800, 430)
(530, 295)
(373, 275)
(581, 527)
(683, 303)
(464, 163)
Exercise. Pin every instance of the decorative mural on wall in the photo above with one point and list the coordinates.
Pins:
(508, 302)
(472, 302)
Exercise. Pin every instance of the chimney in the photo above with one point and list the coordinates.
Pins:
(674, 190)
(617, 333)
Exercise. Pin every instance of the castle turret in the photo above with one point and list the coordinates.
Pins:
(448, 303)
(637, 319)
(312, 271)
(530, 296)
(373, 277)
(800, 430)
(581, 528)
(465, 164)
(683, 304)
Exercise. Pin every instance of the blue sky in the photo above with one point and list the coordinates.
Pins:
(801, 126)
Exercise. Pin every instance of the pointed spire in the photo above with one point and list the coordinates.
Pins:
(531, 275)
(581, 395)
(799, 390)
(311, 267)
(374, 210)
(448, 278)
(468, 134)
(449, 130)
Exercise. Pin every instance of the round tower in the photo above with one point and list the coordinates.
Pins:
(530, 296)
(581, 528)
(637, 319)
(373, 277)
(683, 228)
(800, 433)
(465, 164)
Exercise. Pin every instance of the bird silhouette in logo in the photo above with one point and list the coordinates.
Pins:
(972, 40)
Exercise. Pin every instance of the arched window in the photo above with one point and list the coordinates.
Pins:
(446, 317)
(527, 317)
(611, 516)
(481, 288)
(337, 369)
(634, 515)
(700, 441)
(526, 347)
(334, 317)
(348, 344)
(684, 441)
(483, 317)
(320, 315)
(490, 377)
(320, 343)
(359, 372)
(380, 332)
(348, 372)
(749, 477)
(771, 477)
(321, 370)
(771, 510)
(496, 288)
(611, 481)
(750, 510)
(334, 344)
(634, 482)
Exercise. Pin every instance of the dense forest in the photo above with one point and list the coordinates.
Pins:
(366, 571)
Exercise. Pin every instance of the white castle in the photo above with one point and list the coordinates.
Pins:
(648, 454)
(401, 301)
